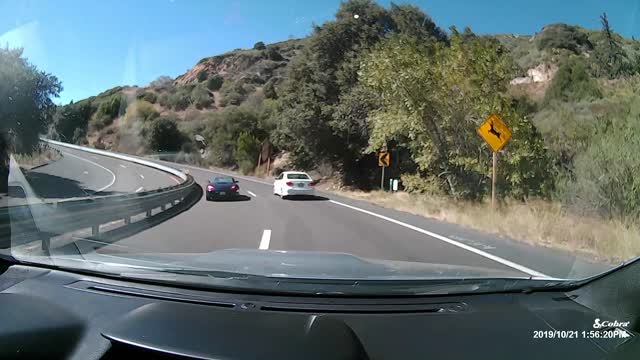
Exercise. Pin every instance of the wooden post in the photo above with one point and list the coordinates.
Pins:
(268, 161)
(493, 180)
(259, 160)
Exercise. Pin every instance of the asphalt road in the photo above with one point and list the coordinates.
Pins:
(261, 220)
(79, 174)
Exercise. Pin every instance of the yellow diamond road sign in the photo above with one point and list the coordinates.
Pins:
(495, 132)
(384, 158)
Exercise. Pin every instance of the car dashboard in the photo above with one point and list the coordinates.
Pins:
(48, 313)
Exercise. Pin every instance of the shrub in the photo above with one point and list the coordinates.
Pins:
(202, 75)
(141, 111)
(200, 97)
(269, 89)
(232, 93)
(164, 100)
(418, 184)
(180, 100)
(162, 82)
(148, 96)
(215, 82)
(563, 36)
(259, 46)
(272, 54)
(100, 121)
(605, 174)
(162, 135)
(572, 82)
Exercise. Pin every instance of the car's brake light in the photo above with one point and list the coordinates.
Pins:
(289, 183)
(235, 187)
(313, 183)
(210, 187)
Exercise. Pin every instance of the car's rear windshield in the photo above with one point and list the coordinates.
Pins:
(297, 176)
(222, 180)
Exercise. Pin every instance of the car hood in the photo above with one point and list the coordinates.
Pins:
(300, 264)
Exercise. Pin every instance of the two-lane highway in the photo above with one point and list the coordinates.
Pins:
(261, 220)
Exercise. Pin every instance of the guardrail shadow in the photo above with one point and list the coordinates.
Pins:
(238, 198)
(49, 186)
(306, 198)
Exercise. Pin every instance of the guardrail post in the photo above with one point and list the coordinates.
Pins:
(95, 230)
(163, 207)
(127, 220)
(148, 212)
(46, 243)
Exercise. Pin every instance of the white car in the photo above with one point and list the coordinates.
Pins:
(291, 183)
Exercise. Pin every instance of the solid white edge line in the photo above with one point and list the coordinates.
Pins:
(113, 180)
(449, 241)
(139, 189)
(252, 194)
(266, 238)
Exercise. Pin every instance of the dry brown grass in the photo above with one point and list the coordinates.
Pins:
(43, 156)
(536, 222)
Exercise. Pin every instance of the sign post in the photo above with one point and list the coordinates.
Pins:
(493, 180)
(496, 133)
(384, 158)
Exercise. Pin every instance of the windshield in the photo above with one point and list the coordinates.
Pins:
(445, 141)
(222, 180)
(297, 177)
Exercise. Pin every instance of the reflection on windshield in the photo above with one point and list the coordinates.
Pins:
(429, 151)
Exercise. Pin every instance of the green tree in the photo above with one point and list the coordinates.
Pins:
(434, 98)
(259, 46)
(610, 58)
(163, 135)
(224, 128)
(71, 121)
(324, 75)
(26, 108)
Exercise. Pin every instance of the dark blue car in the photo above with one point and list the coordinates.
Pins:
(222, 187)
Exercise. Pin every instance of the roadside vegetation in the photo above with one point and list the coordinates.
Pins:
(390, 78)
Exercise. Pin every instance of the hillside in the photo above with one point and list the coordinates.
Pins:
(327, 102)
(213, 84)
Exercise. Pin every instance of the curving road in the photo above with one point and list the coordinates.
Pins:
(261, 220)
(79, 174)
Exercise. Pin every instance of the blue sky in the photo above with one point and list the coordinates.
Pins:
(95, 45)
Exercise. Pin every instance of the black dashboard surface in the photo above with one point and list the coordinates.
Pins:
(55, 314)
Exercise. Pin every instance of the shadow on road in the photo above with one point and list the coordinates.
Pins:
(306, 198)
(49, 186)
(231, 199)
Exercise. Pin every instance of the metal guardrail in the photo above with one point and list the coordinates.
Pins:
(54, 218)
